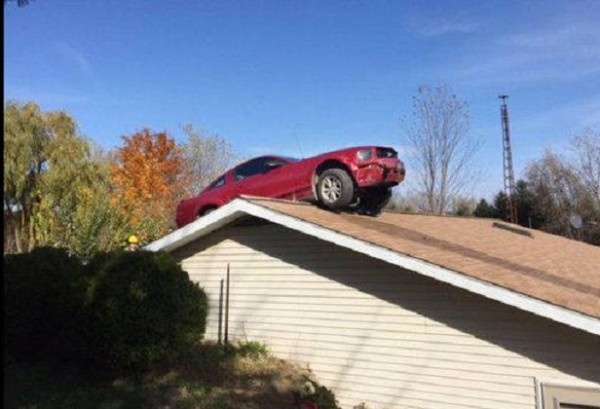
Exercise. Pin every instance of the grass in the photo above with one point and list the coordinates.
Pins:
(244, 376)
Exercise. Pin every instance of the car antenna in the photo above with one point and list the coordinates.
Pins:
(298, 141)
(299, 145)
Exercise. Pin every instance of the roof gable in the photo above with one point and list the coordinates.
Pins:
(537, 272)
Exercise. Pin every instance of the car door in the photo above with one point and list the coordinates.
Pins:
(275, 179)
(267, 176)
(289, 178)
(219, 191)
(247, 176)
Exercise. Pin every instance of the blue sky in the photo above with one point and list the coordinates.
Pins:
(302, 77)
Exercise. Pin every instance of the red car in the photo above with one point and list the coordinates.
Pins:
(358, 178)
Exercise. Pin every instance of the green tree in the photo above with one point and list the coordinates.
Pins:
(97, 225)
(484, 209)
(525, 200)
(26, 137)
(527, 206)
(50, 179)
(501, 205)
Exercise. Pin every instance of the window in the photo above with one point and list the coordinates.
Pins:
(273, 163)
(555, 396)
(386, 153)
(364, 155)
(217, 183)
(254, 167)
(257, 166)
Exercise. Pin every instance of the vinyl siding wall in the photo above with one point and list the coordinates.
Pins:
(379, 334)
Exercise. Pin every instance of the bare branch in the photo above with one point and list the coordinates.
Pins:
(439, 137)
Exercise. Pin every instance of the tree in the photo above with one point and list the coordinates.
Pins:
(146, 178)
(527, 206)
(97, 224)
(70, 175)
(48, 174)
(559, 194)
(25, 139)
(441, 146)
(204, 159)
(557, 191)
(587, 164)
(405, 202)
(484, 209)
(525, 200)
(463, 206)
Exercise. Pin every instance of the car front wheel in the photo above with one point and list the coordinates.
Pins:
(335, 188)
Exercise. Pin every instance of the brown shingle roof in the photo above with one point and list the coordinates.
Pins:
(550, 268)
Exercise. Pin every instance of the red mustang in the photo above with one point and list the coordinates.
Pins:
(358, 178)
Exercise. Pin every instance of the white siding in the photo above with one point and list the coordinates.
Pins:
(379, 334)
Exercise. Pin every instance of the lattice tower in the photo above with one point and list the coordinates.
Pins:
(509, 176)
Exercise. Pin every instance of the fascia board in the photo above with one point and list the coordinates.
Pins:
(201, 227)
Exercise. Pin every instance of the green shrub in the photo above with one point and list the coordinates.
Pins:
(324, 398)
(44, 294)
(312, 394)
(144, 308)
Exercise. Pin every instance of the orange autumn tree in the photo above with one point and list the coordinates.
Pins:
(146, 178)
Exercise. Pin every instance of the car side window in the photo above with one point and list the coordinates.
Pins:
(254, 167)
(273, 163)
(217, 183)
(258, 166)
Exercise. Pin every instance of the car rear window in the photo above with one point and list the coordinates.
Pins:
(386, 153)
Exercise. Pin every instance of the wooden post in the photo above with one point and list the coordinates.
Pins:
(227, 308)
(221, 313)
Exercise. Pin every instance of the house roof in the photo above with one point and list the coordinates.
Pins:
(535, 271)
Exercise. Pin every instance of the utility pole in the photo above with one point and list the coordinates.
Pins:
(509, 175)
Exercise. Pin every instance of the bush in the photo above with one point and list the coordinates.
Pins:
(44, 292)
(249, 349)
(144, 308)
(313, 395)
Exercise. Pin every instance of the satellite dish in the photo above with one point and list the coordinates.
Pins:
(576, 221)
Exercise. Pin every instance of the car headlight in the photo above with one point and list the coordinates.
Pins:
(364, 155)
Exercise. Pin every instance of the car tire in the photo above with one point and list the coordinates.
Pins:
(335, 188)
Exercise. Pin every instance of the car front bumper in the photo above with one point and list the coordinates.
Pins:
(379, 175)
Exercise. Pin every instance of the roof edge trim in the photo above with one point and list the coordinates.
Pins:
(201, 227)
(241, 206)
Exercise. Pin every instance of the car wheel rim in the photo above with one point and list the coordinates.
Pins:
(331, 189)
